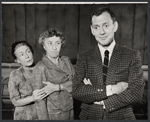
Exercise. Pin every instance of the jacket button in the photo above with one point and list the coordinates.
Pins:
(99, 90)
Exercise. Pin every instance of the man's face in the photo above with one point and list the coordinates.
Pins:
(103, 28)
(52, 46)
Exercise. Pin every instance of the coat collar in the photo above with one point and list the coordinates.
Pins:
(113, 64)
(50, 64)
(97, 62)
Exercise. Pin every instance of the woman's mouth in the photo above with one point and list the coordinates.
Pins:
(29, 60)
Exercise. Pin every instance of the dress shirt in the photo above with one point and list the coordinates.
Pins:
(110, 48)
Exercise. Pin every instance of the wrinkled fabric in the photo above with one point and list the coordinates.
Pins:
(20, 87)
(59, 104)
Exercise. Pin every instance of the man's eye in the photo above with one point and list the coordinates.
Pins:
(106, 26)
(96, 28)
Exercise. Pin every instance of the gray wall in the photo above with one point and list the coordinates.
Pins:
(28, 21)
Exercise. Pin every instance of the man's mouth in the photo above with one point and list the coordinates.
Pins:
(55, 52)
(103, 38)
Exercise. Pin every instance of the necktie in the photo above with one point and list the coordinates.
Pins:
(105, 65)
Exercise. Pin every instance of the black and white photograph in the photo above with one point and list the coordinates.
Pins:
(74, 60)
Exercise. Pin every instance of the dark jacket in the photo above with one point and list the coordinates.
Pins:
(125, 65)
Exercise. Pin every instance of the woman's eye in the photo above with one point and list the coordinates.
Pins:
(29, 51)
(49, 43)
(20, 55)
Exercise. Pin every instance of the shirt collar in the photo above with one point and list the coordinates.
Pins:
(110, 48)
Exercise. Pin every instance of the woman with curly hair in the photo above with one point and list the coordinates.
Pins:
(57, 73)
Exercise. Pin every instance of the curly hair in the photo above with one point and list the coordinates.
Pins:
(50, 33)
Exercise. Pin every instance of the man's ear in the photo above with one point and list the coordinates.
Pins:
(115, 26)
(92, 31)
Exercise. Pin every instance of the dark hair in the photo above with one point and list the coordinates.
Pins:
(99, 11)
(17, 44)
(50, 33)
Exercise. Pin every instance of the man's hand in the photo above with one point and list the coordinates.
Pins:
(87, 81)
(119, 87)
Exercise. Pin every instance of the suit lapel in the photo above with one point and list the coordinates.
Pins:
(114, 61)
(97, 60)
(50, 65)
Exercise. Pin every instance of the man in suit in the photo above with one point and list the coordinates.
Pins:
(107, 84)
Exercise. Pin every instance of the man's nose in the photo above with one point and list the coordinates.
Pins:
(102, 31)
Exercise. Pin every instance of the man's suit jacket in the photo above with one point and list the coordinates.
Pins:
(125, 65)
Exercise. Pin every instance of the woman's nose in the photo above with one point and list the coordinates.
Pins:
(54, 47)
(27, 56)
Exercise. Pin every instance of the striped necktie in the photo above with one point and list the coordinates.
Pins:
(105, 65)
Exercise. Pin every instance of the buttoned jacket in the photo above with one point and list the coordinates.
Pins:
(125, 65)
(58, 101)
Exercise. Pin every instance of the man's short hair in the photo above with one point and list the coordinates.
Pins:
(99, 11)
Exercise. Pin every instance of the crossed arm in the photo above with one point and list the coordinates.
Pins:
(84, 91)
(135, 89)
(38, 83)
(88, 93)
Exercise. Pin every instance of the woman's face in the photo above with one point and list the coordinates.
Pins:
(52, 46)
(24, 55)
